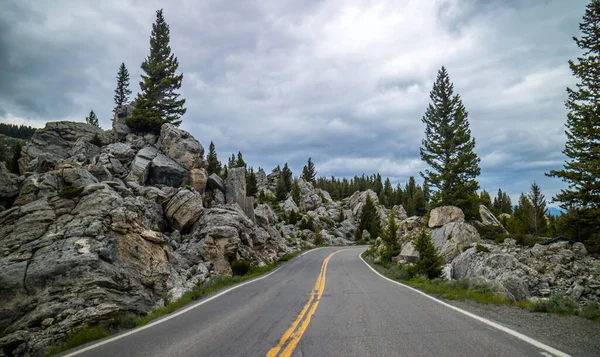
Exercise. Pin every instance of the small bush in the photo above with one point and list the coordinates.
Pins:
(96, 140)
(79, 336)
(591, 311)
(293, 217)
(558, 304)
(240, 267)
(307, 223)
(482, 248)
(70, 191)
(398, 272)
(188, 187)
(318, 239)
(126, 321)
(490, 232)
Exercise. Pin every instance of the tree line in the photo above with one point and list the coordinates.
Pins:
(17, 131)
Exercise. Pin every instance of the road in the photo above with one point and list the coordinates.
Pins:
(324, 303)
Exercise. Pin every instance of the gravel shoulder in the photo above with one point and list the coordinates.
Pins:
(571, 334)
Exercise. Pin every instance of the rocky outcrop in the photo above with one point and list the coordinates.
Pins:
(215, 183)
(140, 167)
(166, 171)
(9, 187)
(540, 271)
(445, 214)
(289, 205)
(451, 238)
(309, 197)
(182, 147)
(184, 209)
(488, 219)
(235, 186)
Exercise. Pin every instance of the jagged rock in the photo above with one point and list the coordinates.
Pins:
(122, 113)
(309, 197)
(408, 226)
(165, 171)
(265, 216)
(101, 173)
(77, 176)
(272, 179)
(83, 151)
(41, 164)
(289, 205)
(140, 167)
(326, 197)
(215, 182)
(579, 249)
(121, 151)
(488, 218)
(9, 186)
(184, 209)
(249, 208)
(235, 186)
(450, 239)
(182, 147)
(198, 179)
(357, 200)
(446, 214)
(408, 253)
(261, 179)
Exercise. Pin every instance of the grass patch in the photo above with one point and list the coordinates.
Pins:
(482, 248)
(557, 304)
(79, 336)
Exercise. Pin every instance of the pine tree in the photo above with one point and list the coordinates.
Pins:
(287, 177)
(430, 263)
(92, 119)
(280, 190)
(214, 165)
(506, 203)
(251, 188)
(357, 234)
(389, 236)
(388, 194)
(369, 218)
(158, 103)
(240, 160)
(122, 91)
(308, 172)
(296, 192)
(420, 206)
(485, 199)
(378, 184)
(448, 149)
(536, 214)
(582, 168)
(232, 163)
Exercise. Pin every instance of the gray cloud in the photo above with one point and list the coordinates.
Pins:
(344, 82)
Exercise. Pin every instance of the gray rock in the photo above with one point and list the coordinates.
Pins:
(309, 197)
(9, 186)
(215, 182)
(182, 147)
(261, 179)
(289, 205)
(446, 214)
(198, 179)
(249, 208)
(488, 218)
(235, 186)
(165, 171)
(140, 167)
(121, 151)
(119, 126)
(450, 239)
(77, 176)
(184, 209)
(579, 249)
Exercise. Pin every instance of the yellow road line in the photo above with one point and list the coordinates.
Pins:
(309, 309)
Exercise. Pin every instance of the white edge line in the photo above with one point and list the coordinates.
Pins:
(495, 325)
(173, 315)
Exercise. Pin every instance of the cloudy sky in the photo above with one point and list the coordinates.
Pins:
(345, 82)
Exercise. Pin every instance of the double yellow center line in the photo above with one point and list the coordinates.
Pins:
(292, 336)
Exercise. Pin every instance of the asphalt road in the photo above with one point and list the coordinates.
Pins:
(308, 308)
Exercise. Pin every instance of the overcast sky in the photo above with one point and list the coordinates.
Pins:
(346, 82)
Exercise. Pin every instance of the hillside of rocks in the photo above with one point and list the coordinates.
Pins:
(89, 232)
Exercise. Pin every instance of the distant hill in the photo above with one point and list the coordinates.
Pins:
(555, 211)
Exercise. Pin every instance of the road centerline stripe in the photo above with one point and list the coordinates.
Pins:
(293, 334)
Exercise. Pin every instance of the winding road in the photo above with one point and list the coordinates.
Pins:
(327, 302)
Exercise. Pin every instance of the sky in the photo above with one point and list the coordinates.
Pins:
(344, 82)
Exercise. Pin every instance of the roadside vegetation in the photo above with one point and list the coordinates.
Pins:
(242, 271)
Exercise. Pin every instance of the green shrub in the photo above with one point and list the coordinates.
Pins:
(79, 336)
(189, 187)
(307, 223)
(591, 311)
(96, 140)
(482, 248)
(70, 191)
(559, 304)
(293, 217)
(240, 267)
(126, 321)
(398, 272)
(490, 232)
(430, 263)
(318, 239)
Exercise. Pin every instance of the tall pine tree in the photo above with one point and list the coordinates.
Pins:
(448, 149)
(214, 165)
(535, 215)
(122, 91)
(308, 172)
(286, 173)
(158, 103)
(582, 168)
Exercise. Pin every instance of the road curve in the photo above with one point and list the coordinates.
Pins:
(320, 304)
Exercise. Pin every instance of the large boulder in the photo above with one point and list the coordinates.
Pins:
(9, 186)
(198, 179)
(119, 121)
(452, 238)
(265, 216)
(235, 186)
(165, 171)
(358, 199)
(182, 147)
(121, 151)
(488, 218)
(446, 214)
(140, 167)
(289, 205)
(261, 179)
(184, 209)
(215, 182)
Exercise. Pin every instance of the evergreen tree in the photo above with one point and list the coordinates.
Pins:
(224, 174)
(506, 203)
(296, 192)
(158, 102)
(420, 206)
(389, 236)
(251, 188)
(357, 234)
(582, 168)
(485, 199)
(280, 190)
(122, 91)
(232, 163)
(448, 149)
(378, 184)
(214, 165)
(536, 213)
(308, 172)
(293, 217)
(387, 194)
(92, 119)
(240, 160)
(287, 177)
(369, 218)
(430, 263)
